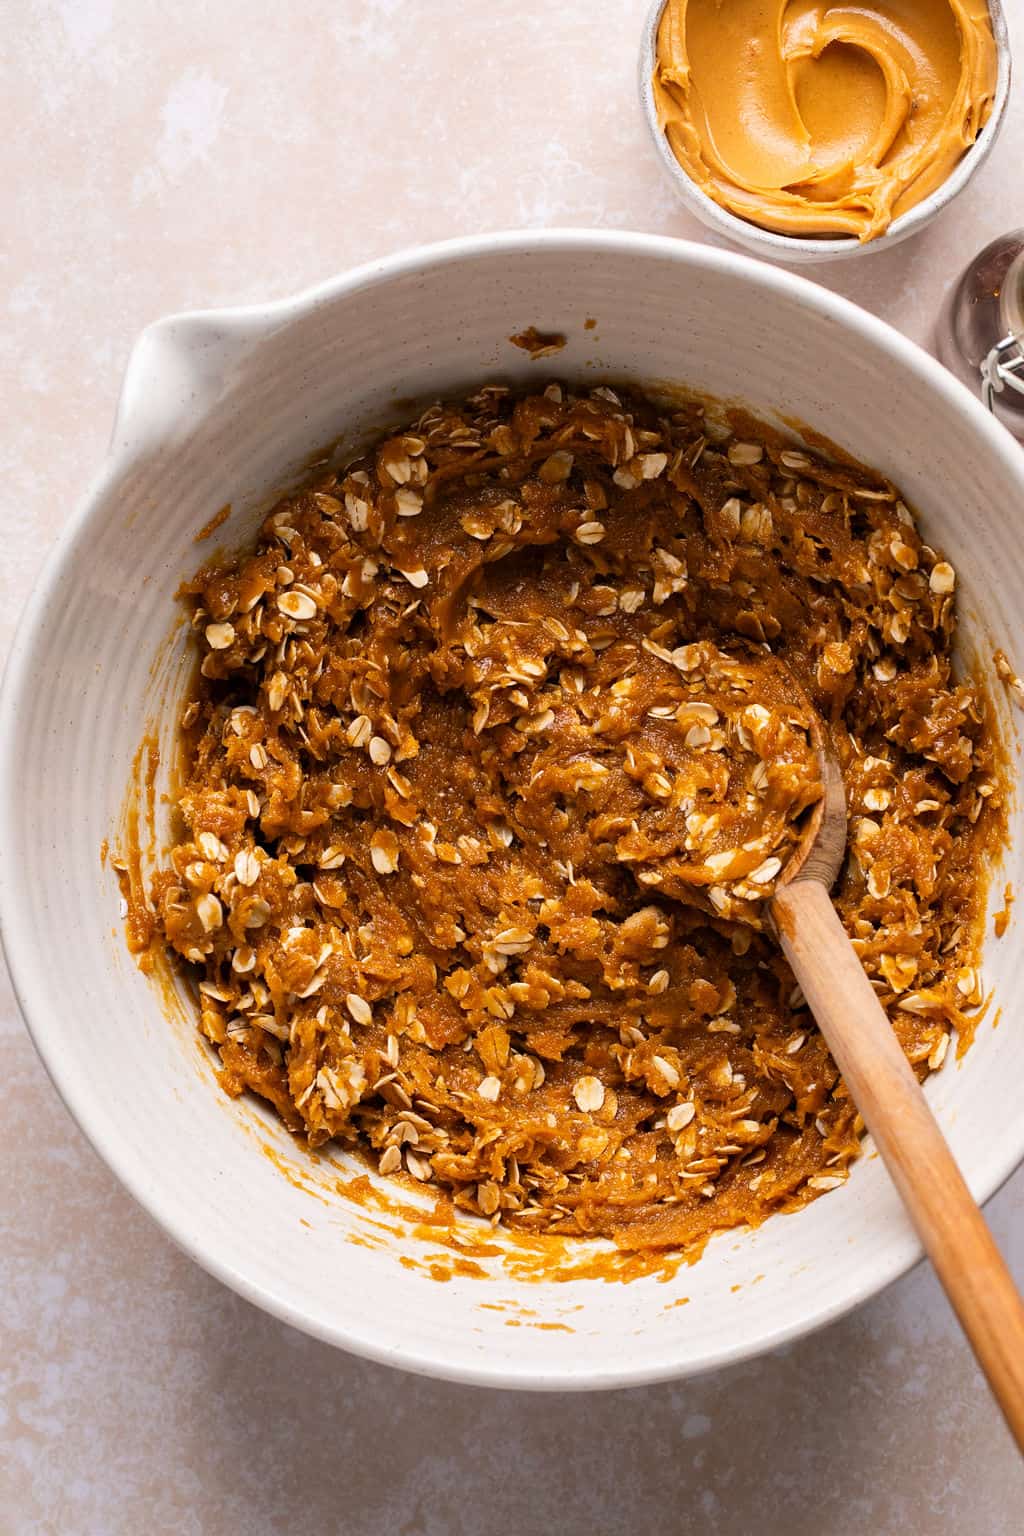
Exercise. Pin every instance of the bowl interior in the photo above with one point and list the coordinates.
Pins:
(244, 400)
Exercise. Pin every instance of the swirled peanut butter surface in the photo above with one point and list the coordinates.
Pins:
(816, 119)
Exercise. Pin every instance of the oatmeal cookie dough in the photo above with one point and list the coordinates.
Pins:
(476, 713)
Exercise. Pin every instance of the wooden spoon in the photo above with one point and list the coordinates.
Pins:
(889, 1098)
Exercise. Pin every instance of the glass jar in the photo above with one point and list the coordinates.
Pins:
(980, 331)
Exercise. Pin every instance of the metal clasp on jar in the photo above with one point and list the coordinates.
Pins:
(1002, 368)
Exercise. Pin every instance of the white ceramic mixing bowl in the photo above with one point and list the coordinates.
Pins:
(224, 407)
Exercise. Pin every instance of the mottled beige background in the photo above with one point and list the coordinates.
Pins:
(157, 156)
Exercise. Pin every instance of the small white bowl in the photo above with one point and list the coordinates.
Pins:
(796, 249)
(227, 406)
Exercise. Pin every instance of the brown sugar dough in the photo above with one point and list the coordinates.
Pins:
(464, 721)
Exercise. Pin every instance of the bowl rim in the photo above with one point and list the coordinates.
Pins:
(808, 248)
(901, 1249)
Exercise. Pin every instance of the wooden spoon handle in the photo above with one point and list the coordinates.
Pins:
(889, 1098)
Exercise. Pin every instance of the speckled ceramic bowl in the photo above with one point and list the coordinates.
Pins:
(226, 407)
(795, 249)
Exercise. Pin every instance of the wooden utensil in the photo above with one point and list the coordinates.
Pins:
(889, 1098)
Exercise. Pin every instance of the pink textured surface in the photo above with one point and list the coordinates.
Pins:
(165, 157)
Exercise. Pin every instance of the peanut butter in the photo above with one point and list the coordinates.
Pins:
(816, 119)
